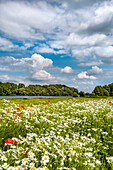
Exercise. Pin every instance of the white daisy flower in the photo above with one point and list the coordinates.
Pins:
(45, 159)
(4, 158)
(11, 168)
(5, 166)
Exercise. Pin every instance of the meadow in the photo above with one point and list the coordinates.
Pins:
(56, 134)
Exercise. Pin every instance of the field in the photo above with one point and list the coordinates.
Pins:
(56, 133)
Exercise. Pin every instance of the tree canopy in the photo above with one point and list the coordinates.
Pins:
(8, 89)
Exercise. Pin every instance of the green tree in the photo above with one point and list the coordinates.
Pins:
(82, 94)
(75, 94)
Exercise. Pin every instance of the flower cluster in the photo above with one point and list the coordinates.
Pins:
(70, 134)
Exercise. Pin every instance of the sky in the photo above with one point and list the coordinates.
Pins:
(57, 42)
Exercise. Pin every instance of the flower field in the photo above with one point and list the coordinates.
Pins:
(74, 134)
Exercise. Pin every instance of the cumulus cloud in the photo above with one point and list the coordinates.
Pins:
(34, 66)
(82, 29)
(67, 70)
(83, 75)
(6, 45)
(92, 63)
(44, 48)
(95, 71)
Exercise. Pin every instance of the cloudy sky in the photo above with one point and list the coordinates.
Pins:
(57, 41)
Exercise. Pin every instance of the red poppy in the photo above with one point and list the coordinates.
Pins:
(15, 117)
(47, 116)
(31, 105)
(23, 107)
(8, 110)
(9, 141)
(19, 113)
(18, 108)
(48, 100)
(110, 101)
(1, 119)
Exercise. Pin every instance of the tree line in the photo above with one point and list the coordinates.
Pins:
(11, 89)
(106, 90)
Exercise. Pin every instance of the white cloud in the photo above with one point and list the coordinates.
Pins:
(42, 75)
(92, 63)
(44, 49)
(6, 45)
(80, 40)
(95, 71)
(83, 75)
(34, 66)
(67, 70)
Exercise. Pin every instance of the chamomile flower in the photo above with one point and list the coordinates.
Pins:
(45, 168)
(31, 154)
(25, 160)
(39, 168)
(45, 159)
(11, 168)
(4, 158)
(5, 165)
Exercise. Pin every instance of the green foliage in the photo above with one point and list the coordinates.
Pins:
(82, 94)
(106, 90)
(75, 94)
(36, 90)
(74, 131)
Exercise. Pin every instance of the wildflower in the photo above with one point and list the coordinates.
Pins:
(19, 113)
(98, 162)
(11, 168)
(9, 141)
(23, 107)
(5, 166)
(45, 159)
(15, 117)
(92, 140)
(31, 154)
(39, 168)
(48, 100)
(1, 119)
(4, 158)
(75, 158)
(31, 105)
(25, 160)
(88, 154)
(47, 116)
(18, 108)
(45, 168)
(32, 164)
(110, 101)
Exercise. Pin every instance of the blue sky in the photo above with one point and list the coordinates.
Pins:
(57, 42)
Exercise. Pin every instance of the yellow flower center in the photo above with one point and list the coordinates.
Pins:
(23, 165)
(46, 168)
(25, 159)
(31, 154)
(76, 159)
(4, 158)
(33, 168)
(45, 158)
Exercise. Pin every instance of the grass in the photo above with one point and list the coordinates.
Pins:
(65, 133)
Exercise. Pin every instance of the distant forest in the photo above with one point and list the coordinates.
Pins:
(11, 89)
